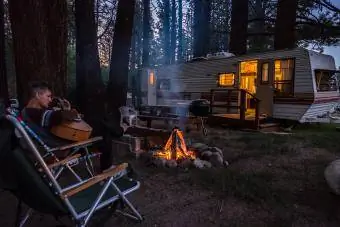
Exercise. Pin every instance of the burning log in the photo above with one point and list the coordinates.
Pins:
(175, 148)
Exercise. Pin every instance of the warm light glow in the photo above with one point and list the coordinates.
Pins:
(226, 79)
(265, 71)
(248, 67)
(175, 148)
(151, 78)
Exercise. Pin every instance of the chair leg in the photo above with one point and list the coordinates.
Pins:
(20, 222)
(136, 215)
(18, 213)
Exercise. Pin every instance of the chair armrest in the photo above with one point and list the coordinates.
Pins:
(96, 179)
(78, 144)
(62, 162)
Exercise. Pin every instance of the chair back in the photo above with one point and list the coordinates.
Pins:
(27, 183)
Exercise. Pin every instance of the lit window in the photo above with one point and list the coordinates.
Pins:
(264, 74)
(226, 79)
(151, 78)
(283, 77)
(325, 81)
(248, 67)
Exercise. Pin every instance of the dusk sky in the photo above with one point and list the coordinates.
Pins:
(334, 51)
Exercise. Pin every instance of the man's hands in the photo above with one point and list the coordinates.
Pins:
(70, 115)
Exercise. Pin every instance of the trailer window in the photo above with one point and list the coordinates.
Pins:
(325, 81)
(284, 77)
(226, 79)
(264, 73)
(164, 84)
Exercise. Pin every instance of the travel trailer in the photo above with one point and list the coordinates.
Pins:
(293, 84)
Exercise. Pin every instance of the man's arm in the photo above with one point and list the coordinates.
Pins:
(50, 118)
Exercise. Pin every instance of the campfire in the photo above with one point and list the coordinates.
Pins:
(175, 148)
(176, 153)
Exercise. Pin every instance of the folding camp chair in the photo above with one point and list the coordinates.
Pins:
(40, 189)
(72, 151)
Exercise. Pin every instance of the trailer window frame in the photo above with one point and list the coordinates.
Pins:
(332, 74)
(219, 79)
(279, 84)
(163, 84)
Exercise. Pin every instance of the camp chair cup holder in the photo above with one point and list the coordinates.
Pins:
(79, 200)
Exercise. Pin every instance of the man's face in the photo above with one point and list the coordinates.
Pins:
(44, 98)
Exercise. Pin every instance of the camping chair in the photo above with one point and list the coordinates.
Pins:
(38, 187)
(129, 115)
(72, 151)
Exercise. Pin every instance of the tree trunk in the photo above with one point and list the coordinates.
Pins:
(90, 89)
(180, 55)
(285, 24)
(166, 32)
(3, 69)
(201, 27)
(146, 33)
(119, 66)
(173, 32)
(259, 41)
(39, 29)
(239, 25)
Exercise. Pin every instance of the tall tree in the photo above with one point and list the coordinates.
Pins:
(39, 29)
(146, 33)
(166, 32)
(285, 24)
(119, 66)
(202, 10)
(173, 37)
(3, 69)
(180, 55)
(239, 25)
(90, 87)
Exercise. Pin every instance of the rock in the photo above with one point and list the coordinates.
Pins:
(226, 163)
(171, 163)
(201, 163)
(216, 159)
(206, 155)
(185, 163)
(160, 162)
(200, 147)
(216, 149)
(332, 176)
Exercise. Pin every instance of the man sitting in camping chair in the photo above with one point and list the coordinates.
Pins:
(34, 182)
(39, 114)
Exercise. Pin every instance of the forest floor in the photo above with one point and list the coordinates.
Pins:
(272, 180)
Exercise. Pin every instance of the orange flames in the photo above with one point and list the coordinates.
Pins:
(175, 148)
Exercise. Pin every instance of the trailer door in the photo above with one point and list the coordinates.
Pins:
(265, 89)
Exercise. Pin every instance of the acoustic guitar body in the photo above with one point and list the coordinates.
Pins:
(74, 131)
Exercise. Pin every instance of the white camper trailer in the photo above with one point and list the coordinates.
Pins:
(295, 84)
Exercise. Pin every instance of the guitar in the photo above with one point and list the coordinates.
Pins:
(75, 130)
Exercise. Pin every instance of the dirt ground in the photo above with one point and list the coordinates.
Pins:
(272, 180)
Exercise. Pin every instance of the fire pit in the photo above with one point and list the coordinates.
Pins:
(176, 153)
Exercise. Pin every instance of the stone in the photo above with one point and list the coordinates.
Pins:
(185, 163)
(171, 163)
(206, 155)
(216, 149)
(216, 159)
(226, 163)
(332, 176)
(160, 162)
(201, 163)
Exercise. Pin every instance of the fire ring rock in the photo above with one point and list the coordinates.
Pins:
(332, 175)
